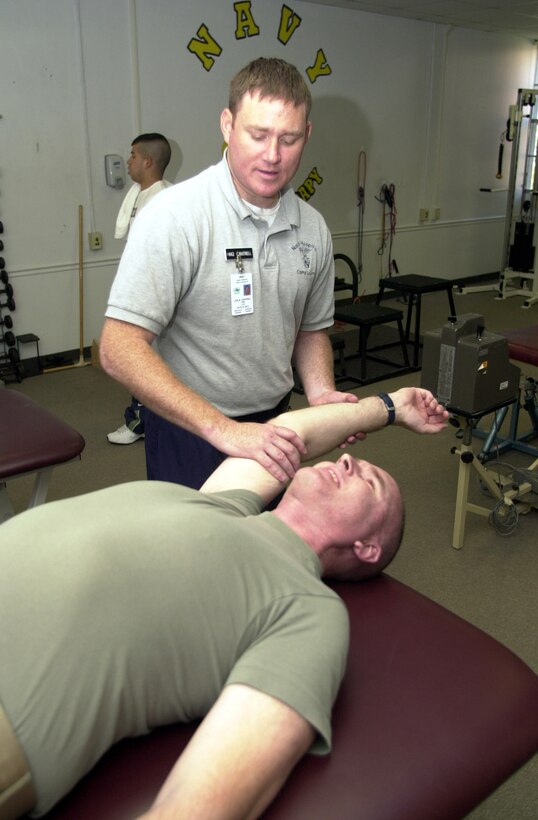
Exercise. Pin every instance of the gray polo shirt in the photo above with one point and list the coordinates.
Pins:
(176, 277)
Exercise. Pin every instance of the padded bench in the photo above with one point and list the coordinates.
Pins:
(523, 344)
(366, 316)
(432, 716)
(413, 286)
(32, 440)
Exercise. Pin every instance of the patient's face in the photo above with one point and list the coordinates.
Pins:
(353, 499)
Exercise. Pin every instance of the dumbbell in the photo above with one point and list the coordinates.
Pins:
(10, 304)
(2, 260)
(8, 290)
(7, 321)
(12, 355)
(1, 245)
(8, 338)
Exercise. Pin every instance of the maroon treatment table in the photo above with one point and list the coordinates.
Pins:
(432, 716)
(523, 344)
(32, 440)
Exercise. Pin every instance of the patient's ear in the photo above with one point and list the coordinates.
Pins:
(369, 553)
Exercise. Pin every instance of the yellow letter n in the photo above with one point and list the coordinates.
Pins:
(206, 48)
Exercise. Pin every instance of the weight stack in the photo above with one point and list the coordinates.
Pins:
(521, 255)
(10, 366)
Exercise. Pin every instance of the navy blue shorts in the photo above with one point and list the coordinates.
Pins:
(173, 454)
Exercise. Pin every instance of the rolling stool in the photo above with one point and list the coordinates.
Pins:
(366, 315)
(413, 285)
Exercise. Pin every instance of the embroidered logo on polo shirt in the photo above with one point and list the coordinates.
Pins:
(305, 249)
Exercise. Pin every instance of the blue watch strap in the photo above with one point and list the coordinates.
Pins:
(390, 407)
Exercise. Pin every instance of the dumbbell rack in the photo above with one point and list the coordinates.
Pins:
(10, 367)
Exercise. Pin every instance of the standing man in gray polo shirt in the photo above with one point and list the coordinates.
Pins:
(227, 280)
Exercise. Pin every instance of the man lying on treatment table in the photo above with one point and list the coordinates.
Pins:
(150, 603)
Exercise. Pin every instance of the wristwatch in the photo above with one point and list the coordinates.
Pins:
(390, 408)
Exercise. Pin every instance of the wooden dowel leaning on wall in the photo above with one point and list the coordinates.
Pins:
(81, 362)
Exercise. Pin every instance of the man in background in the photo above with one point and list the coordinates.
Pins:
(150, 155)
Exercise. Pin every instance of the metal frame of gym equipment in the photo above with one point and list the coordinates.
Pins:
(522, 202)
(513, 494)
(495, 442)
(518, 276)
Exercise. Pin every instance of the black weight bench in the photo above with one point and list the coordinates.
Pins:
(338, 344)
(365, 316)
(412, 287)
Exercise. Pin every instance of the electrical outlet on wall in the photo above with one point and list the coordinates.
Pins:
(95, 241)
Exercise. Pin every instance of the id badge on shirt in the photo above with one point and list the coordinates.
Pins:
(241, 291)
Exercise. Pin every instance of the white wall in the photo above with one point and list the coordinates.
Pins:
(80, 78)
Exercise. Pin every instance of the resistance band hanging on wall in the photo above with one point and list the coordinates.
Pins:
(387, 197)
(361, 185)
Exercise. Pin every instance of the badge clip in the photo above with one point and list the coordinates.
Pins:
(237, 255)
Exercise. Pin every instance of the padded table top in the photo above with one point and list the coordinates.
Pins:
(432, 715)
(31, 437)
(523, 344)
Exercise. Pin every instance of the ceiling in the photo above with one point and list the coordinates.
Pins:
(518, 17)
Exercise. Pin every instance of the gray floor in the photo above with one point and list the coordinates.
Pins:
(492, 581)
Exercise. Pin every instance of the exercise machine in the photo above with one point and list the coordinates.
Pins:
(517, 273)
(518, 276)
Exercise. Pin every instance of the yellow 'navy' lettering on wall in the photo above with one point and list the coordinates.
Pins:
(289, 21)
(206, 48)
(320, 68)
(245, 25)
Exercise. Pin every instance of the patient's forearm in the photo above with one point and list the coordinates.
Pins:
(324, 427)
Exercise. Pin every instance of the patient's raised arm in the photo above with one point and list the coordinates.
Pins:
(324, 427)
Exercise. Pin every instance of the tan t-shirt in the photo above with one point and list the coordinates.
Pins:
(133, 606)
